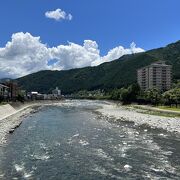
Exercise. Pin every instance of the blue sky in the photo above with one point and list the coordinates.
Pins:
(110, 23)
(149, 23)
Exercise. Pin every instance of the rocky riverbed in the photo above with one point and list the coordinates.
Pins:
(121, 113)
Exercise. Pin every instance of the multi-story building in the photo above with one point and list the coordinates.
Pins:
(157, 75)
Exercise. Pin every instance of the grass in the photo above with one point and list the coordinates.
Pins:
(159, 113)
(3, 103)
(169, 108)
(156, 113)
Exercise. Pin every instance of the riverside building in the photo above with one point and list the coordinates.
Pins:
(157, 75)
(56, 93)
(3, 91)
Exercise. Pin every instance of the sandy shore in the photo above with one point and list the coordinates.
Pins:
(171, 124)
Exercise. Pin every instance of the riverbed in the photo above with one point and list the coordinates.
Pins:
(73, 140)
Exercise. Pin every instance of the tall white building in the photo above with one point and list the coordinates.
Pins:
(157, 75)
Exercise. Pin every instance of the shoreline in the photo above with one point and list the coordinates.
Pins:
(9, 122)
(112, 110)
(122, 113)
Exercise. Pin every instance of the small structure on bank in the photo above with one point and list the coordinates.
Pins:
(56, 93)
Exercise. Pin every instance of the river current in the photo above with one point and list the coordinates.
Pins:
(72, 141)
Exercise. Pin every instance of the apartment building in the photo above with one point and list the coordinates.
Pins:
(157, 75)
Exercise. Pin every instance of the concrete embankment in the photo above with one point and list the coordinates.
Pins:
(11, 118)
(6, 110)
(11, 115)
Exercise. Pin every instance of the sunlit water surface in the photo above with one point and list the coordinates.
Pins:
(72, 141)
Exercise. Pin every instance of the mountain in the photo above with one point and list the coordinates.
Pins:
(114, 74)
(5, 80)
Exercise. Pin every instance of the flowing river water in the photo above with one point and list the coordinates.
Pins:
(72, 141)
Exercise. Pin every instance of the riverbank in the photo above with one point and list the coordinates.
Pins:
(12, 115)
(11, 119)
(139, 117)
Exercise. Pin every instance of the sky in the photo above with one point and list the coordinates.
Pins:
(65, 34)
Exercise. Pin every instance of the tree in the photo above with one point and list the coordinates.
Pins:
(125, 96)
(153, 96)
(172, 97)
(130, 94)
(133, 92)
(20, 98)
(116, 94)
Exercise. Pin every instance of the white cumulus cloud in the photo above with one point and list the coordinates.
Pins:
(26, 54)
(116, 53)
(58, 14)
(74, 55)
(22, 55)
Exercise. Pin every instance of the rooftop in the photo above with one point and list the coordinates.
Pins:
(2, 85)
(158, 63)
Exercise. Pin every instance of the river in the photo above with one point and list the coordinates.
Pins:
(73, 141)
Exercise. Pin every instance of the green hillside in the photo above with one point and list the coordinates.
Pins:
(115, 74)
